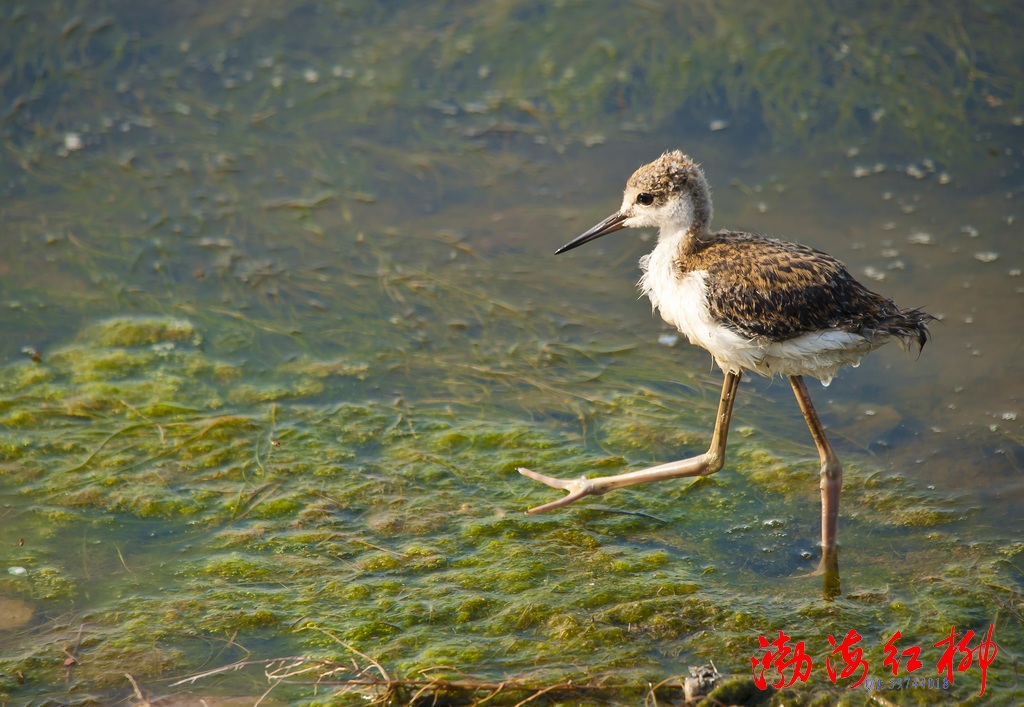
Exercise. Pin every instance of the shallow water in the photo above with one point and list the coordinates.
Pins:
(280, 318)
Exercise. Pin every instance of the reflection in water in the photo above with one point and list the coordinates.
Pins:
(828, 568)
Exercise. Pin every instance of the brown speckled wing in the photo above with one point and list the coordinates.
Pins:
(764, 288)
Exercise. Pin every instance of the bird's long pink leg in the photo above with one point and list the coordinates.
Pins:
(702, 465)
(831, 470)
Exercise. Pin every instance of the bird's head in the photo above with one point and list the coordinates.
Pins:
(670, 194)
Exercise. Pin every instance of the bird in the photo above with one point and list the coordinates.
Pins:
(757, 304)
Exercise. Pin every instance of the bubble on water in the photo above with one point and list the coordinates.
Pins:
(874, 273)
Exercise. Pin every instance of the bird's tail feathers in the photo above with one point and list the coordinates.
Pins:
(910, 327)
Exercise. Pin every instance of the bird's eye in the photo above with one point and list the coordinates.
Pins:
(644, 199)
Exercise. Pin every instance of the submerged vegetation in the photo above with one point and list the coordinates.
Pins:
(263, 393)
(361, 534)
(561, 72)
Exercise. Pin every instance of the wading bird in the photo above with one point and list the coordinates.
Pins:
(757, 304)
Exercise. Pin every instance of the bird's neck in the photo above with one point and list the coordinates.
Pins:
(688, 221)
(661, 266)
(679, 237)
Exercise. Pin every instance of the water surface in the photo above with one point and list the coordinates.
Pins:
(281, 317)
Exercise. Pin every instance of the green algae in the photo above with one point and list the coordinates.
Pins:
(311, 417)
(383, 585)
(140, 331)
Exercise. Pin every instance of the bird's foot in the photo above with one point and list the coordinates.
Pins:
(577, 488)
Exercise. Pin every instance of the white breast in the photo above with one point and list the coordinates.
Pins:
(682, 300)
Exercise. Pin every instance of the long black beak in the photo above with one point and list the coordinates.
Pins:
(609, 225)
